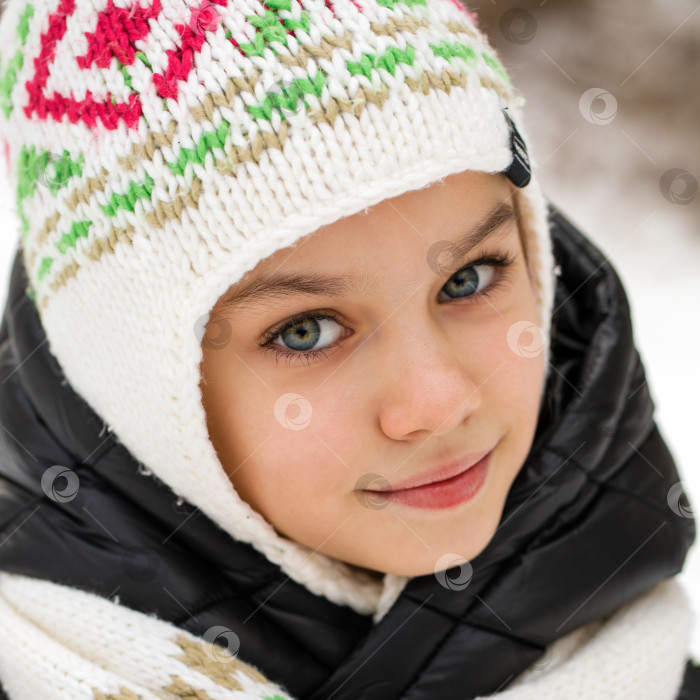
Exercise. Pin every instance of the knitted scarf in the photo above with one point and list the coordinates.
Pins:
(68, 644)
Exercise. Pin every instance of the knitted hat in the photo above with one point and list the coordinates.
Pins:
(160, 149)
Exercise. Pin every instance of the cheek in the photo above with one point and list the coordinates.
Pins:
(293, 451)
(513, 366)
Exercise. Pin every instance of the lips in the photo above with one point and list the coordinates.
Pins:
(446, 490)
(440, 473)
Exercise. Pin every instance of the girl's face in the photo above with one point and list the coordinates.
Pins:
(384, 356)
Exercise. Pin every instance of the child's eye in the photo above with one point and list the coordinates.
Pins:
(301, 333)
(469, 282)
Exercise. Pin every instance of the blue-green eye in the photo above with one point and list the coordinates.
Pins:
(302, 335)
(299, 334)
(469, 281)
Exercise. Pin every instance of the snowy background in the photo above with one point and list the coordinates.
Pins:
(613, 104)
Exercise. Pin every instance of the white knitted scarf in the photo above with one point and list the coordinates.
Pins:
(61, 643)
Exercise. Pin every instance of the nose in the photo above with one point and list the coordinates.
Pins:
(429, 388)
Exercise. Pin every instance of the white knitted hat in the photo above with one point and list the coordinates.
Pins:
(161, 150)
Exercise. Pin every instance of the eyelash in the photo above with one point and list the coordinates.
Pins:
(500, 261)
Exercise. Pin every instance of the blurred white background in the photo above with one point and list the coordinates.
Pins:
(613, 104)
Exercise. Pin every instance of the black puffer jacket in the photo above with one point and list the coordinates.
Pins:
(585, 485)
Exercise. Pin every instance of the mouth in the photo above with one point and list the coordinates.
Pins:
(460, 481)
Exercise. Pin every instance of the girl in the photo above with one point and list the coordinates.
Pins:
(308, 391)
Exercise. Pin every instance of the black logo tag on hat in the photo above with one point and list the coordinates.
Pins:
(518, 172)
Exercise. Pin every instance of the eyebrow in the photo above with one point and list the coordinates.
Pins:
(279, 285)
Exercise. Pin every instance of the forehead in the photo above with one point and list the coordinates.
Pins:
(267, 286)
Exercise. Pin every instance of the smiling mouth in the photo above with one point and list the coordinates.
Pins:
(442, 473)
(442, 493)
